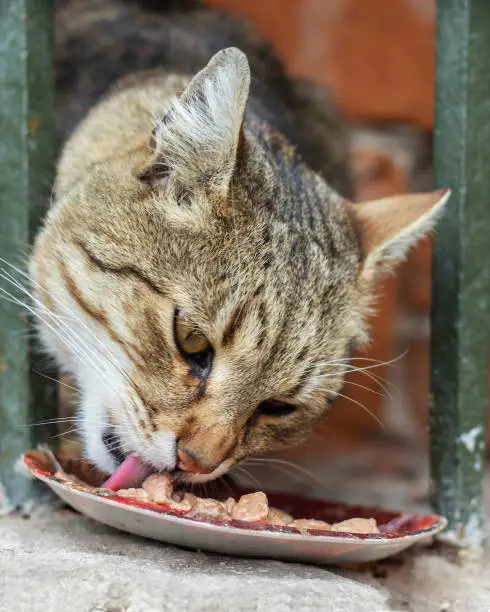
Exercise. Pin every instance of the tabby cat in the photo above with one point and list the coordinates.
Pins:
(201, 272)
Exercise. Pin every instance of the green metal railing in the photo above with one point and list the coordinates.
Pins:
(461, 267)
(26, 164)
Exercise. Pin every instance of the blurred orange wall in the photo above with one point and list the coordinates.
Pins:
(363, 49)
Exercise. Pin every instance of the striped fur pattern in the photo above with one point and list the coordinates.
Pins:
(176, 192)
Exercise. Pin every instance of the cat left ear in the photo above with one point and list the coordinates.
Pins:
(197, 139)
(388, 228)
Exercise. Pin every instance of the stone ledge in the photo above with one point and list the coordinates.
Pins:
(58, 561)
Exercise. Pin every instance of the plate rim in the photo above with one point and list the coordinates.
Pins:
(374, 539)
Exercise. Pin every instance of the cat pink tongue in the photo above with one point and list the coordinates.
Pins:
(130, 473)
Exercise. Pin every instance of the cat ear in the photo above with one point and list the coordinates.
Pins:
(389, 227)
(197, 139)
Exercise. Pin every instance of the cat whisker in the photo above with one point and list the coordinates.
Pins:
(354, 401)
(56, 380)
(283, 470)
(69, 332)
(353, 368)
(59, 317)
(55, 318)
(346, 370)
(223, 480)
(247, 474)
(375, 378)
(65, 433)
(354, 384)
(115, 445)
(75, 428)
(282, 462)
(53, 421)
(368, 359)
(62, 337)
(382, 382)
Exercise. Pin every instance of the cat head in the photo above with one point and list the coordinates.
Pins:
(205, 290)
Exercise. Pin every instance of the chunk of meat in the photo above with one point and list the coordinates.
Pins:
(134, 493)
(252, 508)
(357, 525)
(209, 509)
(306, 524)
(184, 504)
(190, 498)
(278, 517)
(159, 487)
(229, 504)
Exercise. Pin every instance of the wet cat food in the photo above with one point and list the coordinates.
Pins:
(250, 508)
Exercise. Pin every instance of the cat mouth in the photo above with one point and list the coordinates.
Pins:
(130, 474)
(132, 470)
(218, 471)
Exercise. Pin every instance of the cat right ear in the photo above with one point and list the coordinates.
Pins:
(388, 228)
(197, 139)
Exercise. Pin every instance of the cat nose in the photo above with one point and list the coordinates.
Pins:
(188, 462)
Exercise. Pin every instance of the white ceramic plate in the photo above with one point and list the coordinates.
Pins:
(399, 531)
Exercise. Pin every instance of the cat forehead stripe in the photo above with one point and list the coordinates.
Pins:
(126, 270)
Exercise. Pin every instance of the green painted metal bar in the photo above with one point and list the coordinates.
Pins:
(26, 159)
(461, 267)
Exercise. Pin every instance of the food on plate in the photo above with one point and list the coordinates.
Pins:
(356, 525)
(278, 517)
(159, 487)
(135, 493)
(209, 509)
(250, 508)
(303, 524)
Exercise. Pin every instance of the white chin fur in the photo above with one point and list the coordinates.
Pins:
(93, 423)
(161, 451)
(96, 453)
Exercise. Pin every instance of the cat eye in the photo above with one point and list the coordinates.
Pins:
(191, 342)
(274, 408)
